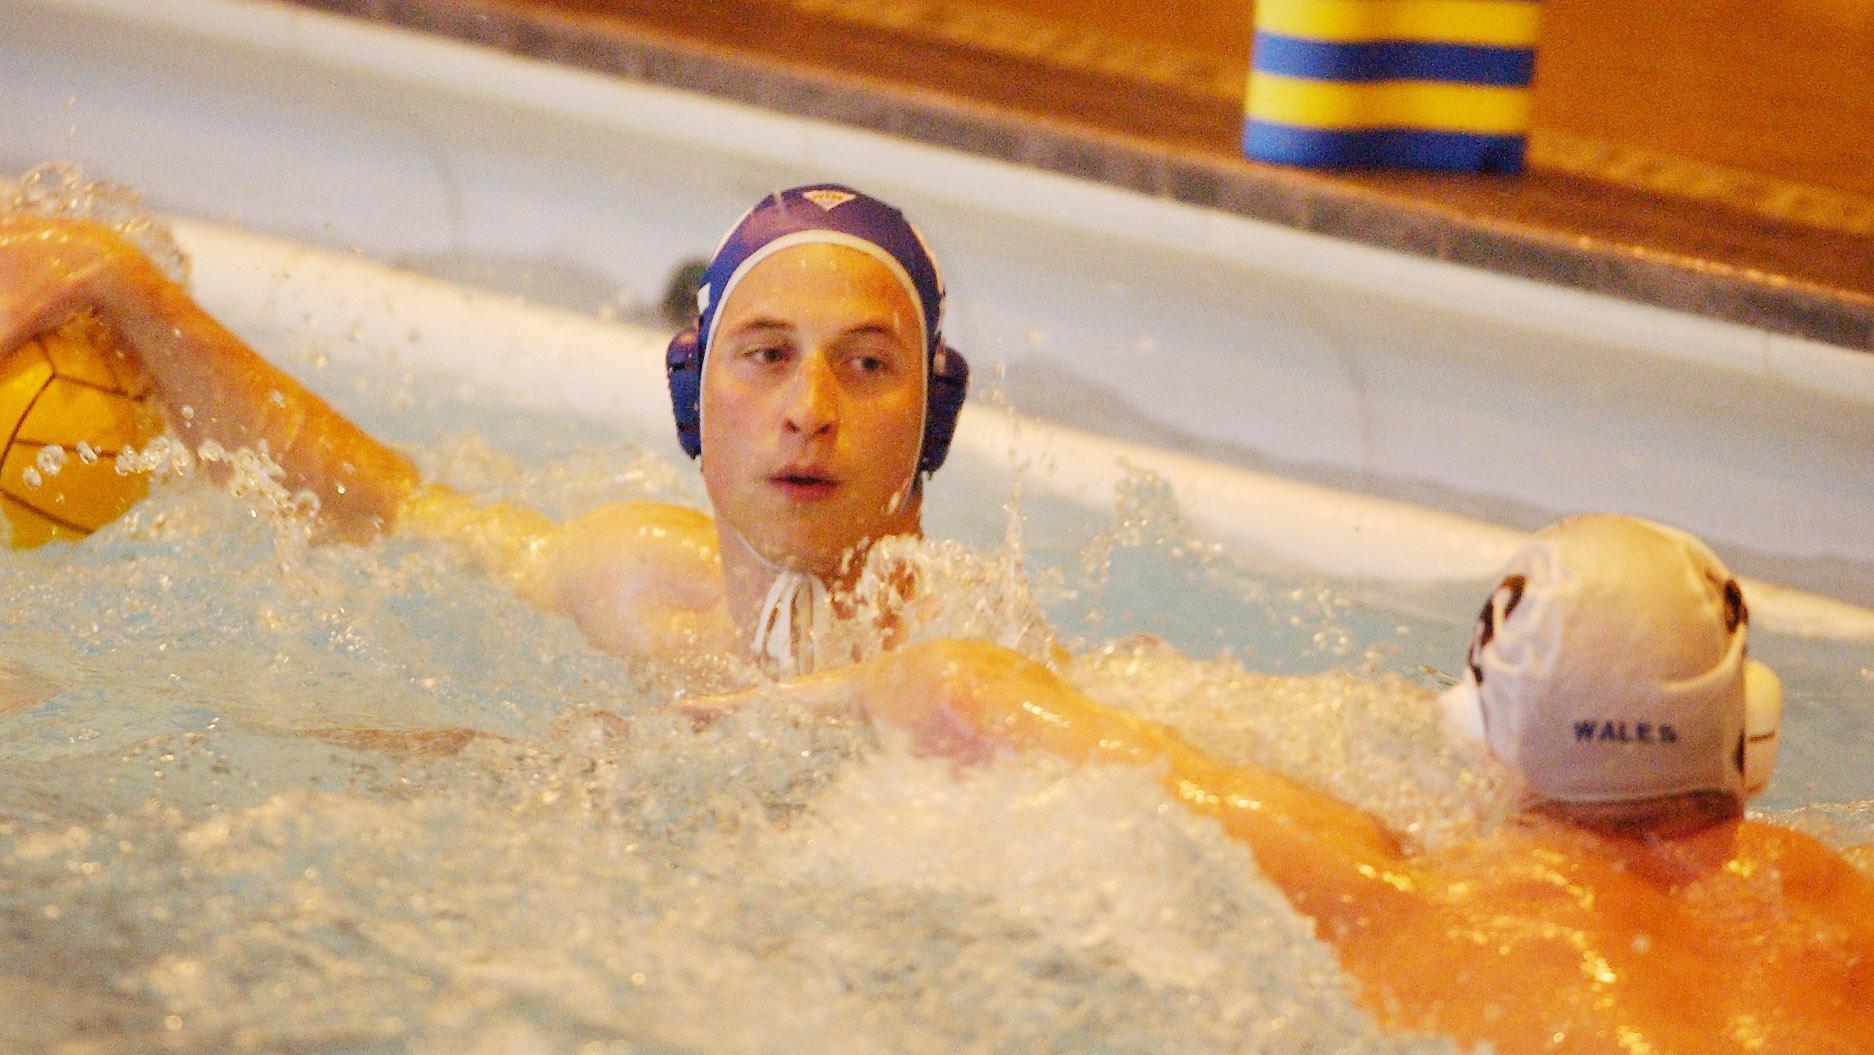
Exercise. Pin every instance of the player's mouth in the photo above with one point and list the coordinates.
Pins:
(804, 485)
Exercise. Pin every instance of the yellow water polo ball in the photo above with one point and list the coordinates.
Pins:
(69, 402)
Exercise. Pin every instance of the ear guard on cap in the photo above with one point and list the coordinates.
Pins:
(1763, 725)
(949, 384)
(683, 368)
(1462, 708)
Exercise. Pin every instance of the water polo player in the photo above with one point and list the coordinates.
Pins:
(1630, 909)
(815, 385)
(817, 390)
(1609, 669)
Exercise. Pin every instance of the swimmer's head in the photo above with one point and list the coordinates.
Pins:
(1610, 666)
(815, 384)
(824, 214)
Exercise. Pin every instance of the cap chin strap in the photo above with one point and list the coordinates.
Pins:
(797, 609)
(798, 606)
(1463, 713)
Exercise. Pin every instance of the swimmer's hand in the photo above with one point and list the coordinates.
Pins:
(208, 382)
(593, 725)
(49, 271)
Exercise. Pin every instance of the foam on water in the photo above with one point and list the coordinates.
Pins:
(200, 859)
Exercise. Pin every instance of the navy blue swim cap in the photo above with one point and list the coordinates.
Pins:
(823, 214)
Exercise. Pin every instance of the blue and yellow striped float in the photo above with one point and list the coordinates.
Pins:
(1423, 83)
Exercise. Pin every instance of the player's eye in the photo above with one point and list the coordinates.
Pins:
(766, 353)
(870, 358)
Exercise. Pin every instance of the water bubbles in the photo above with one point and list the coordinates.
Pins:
(1331, 640)
(51, 460)
(87, 454)
(60, 190)
(163, 457)
(924, 589)
(31, 478)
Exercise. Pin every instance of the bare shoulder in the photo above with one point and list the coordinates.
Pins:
(651, 541)
(636, 577)
(1749, 937)
(655, 524)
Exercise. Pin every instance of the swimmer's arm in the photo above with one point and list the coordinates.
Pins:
(507, 539)
(639, 578)
(212, 384)
(963, 698)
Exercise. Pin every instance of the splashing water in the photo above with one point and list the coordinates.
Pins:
(60, 190)
(204, 854)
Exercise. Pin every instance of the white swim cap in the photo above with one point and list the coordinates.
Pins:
(1610, 666)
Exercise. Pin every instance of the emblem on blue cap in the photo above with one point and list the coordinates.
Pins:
(828, 198)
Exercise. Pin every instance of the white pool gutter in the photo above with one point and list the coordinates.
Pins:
(286, 297)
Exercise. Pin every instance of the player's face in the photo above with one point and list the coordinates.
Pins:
(813, 406)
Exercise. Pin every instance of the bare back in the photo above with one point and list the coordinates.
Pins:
(1745, 937)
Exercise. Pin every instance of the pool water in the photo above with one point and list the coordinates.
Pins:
(233, 815)
(197, 857)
